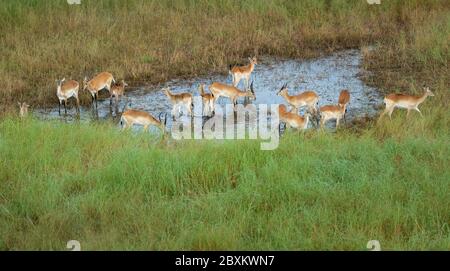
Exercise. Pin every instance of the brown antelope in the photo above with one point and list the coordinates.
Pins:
(232, 92)
(117, 91)
(330, 112)
(178, 100)
(344, 99)
(23, 112)
(101, 81)
(66, 90)
(408, 102)
(293, 119)
(137, 117)
(243, 72)
(208, 101)
(307, 98)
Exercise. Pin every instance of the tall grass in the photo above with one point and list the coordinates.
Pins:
(113, 190)
(152, 41)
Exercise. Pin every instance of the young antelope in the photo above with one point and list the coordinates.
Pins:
(243, 72)
(231, 92)
(117, 91)
(178, 100)
(330, 112)
(405, 101)
(66, 90)
(137, 117)
(101, 81)
(293, 119)
(344, 99)
(307, 98)
(207, 100)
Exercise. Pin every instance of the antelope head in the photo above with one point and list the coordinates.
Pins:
(23, 109)
(428, 92)
(283, 90)
(59, 83)
(253, 60)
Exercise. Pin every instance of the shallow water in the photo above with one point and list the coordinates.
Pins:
(327, 76)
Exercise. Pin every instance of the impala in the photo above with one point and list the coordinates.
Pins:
(243, 72)
(23, 113)
(405, 101)
(330, 112)
(293, 119)
(117, 91)
(178, 100)
(66, 90)
(101, 81)
(307, 98)
(208, 101)
(137, 117)
(231, 92)
(344, 99)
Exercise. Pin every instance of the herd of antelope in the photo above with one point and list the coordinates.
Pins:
(309, 99)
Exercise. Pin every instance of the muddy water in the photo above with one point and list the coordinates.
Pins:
(326, 75)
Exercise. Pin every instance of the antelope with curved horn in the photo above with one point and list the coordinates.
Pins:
(231, 92)
(405, 101)
(330, 112)
(344, 99)
(101, 81)
(137, 117)
(242, 72)
(208, 101)
(293, 119)
(178, 100)
(308, 98)
(23, 109)
(117, 92)
(66, 90)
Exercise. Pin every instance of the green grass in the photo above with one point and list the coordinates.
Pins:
(113, 190)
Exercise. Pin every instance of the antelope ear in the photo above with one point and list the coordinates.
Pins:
(62, 80)
(19, 104)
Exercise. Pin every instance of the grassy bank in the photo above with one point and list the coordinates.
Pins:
(152, 41)
(113, 190)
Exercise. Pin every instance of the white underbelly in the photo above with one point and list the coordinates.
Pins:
(404, 105)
